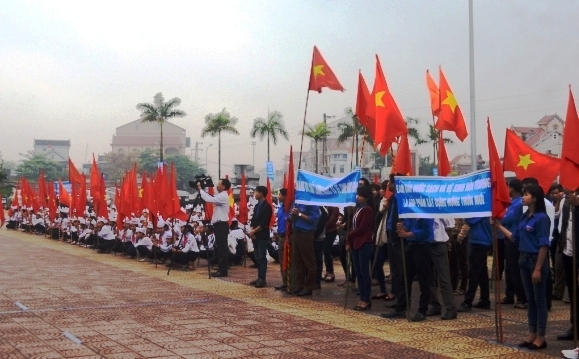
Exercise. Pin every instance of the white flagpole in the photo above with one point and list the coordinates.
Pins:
(473, 153)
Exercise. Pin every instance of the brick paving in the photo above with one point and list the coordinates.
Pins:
(120, 308)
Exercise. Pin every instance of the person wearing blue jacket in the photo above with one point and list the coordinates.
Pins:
(532, 236)
(417, 234)
(480, 240)
(512, 273)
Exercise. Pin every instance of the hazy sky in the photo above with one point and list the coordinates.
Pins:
(76, 69)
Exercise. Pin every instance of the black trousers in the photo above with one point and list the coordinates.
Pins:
(221, 230)
(143, 251)
(458, 264)
(418, 256)
(184, 258)
(478, 273)
(568, 267)
(513, 273)
(105, 245)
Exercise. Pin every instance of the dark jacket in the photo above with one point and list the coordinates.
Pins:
(363, 230)
(332, 224)
(261, 218)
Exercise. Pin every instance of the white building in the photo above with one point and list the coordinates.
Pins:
(138, 136)
(55, 150)
(546, 138)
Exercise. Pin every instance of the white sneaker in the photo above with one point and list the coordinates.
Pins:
(571, 354)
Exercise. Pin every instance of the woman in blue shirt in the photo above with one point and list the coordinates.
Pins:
(532, 237)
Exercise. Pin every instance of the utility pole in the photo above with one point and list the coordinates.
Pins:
(253, 162)
(197, 150)
(473, 155)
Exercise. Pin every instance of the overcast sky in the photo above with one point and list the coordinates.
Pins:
(76, 69)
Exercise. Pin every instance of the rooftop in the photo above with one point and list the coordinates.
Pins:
(62, 143)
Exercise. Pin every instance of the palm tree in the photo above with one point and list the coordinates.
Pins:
(160, 111)
(270, 128)
(317, 133)
(354, 130)
(217, 123)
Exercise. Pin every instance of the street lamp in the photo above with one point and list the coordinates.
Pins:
(206, 151)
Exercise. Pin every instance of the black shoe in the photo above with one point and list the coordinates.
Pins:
(524, 344)
(418, 317)
(297, 290)
(281, 287)
(254, 282)
(464, 307)
(394, 314)
(432, 312)
(317, 286)
(260, 283)
(390, 305)
(304, 293)
(507, 300)
(359, 308)
(532, 346)
(482, 305)
(568, 335)
(449, 315)
(219, 274)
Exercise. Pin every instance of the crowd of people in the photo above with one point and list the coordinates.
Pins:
(448, 257)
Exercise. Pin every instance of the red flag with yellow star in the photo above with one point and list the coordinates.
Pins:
(527, 162)
(500, 192)
(243, 211)
(362, 102)
(322, 75)
(434, 94)
(403, 162)
(443, 163)
(569, 177)
(382, 107)
(63, 195)
(450, 117)
(231, 202)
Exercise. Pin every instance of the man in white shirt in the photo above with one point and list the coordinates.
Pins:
(439, 249)
(220, 223)
(106, 235)
(144, 244)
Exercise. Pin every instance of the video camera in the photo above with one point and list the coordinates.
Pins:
(203, 180)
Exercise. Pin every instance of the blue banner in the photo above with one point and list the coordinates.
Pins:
(465, 196)
(319, 190)
(67, 186)
(269, 170)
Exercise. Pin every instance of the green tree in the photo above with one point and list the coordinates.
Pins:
(317, 133)
(271, 128)
(33, 163)
(432, 138)
(425, 166)
(217, 123)
(160, 111)
(413, 132)
(118, 163)
(353, 130)
(148, 159)
(186, 169)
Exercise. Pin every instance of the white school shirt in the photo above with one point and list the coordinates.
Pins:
(568, 250)
(145, 241)
(439, 229)
(221, 205)
(106, 233)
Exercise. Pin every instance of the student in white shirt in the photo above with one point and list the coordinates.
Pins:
(185, 249)
(144, 244)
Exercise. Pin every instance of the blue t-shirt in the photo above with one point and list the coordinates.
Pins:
(420, 227)
(512, 217)
(480, 230)
(532, 233)
(281, 219)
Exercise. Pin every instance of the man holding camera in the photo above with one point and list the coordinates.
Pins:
(220, 223)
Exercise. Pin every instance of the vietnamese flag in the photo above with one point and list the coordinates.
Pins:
(42, 189)
(102, 208)
(362, 102)
(231, 202)
(434, 94)
(383, 109)
(284, 185)
(80, 202)
(243, 215)
(176, 212)
(569, 176)
(63, 196)
(376, 179)
(321, 75)
(500, 191)
(527, 162)
(152, 199)
(143, 193)
(289, 201)
(52, 211)
(402, 161)
(450, 117)
(443, 163)
(73, 174)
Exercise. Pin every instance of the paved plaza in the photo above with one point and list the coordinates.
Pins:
(63, 301)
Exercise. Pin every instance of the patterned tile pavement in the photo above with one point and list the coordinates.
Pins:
(120, 308)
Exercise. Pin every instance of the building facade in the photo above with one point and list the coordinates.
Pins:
(547, 137)
(138, 136)
(55, 150)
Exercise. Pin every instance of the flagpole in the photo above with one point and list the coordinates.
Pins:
(498, 313)
(472, 96)
(362, 151)
(305, 114)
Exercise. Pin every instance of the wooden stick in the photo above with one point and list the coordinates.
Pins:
(573, 219)
(498, 312)
(304, 123)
